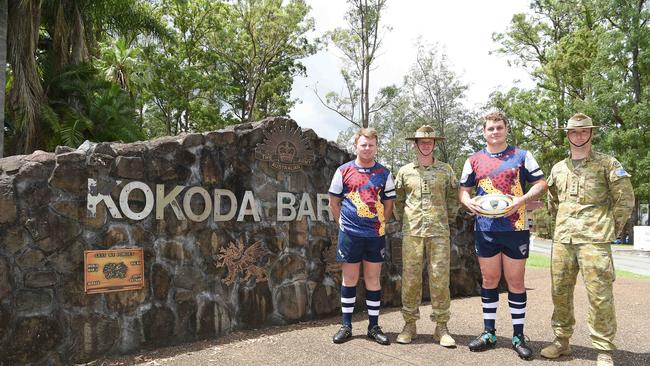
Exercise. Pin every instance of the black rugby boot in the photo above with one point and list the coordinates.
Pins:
(483, 342)
(375, 333)
(343, 335)
(520, 345)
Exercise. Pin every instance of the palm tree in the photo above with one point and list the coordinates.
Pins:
(77, 26)
(117, 62)
(26, 95)
(71, 32)
(84, 106)
(3, 70)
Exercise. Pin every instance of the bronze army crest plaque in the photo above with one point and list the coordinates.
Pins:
(285, 148)
(113, 270)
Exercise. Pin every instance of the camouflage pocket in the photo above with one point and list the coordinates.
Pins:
(412, 188)
(438, 182)
(593, 189)
(597, 263)
(561, 181)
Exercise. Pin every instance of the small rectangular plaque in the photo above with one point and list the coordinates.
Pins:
(113, 270)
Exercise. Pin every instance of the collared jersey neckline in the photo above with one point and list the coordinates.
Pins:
(361, 169)
(497, 154)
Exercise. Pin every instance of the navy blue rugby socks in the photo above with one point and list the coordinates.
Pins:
(348, 298)
(517, 304)
(373, 301)
(490, 301)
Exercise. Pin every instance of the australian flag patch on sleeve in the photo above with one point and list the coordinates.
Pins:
(620, 172)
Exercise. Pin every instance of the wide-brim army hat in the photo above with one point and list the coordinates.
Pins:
(425, 132)
(579, 120)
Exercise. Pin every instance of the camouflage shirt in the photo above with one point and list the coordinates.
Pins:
(591, 202)
(426, 199)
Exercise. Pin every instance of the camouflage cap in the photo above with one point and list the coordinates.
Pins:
(579, 120)
(425, 132)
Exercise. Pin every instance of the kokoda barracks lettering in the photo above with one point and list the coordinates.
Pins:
(286, 202)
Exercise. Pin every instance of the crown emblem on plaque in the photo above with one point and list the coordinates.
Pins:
(285, 147)
(286, 152)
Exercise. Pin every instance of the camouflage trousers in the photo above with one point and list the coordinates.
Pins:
(594, 261)
(437, 253)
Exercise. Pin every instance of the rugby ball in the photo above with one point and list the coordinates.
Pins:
(493, 205)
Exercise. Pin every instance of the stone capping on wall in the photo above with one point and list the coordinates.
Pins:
(203, 279)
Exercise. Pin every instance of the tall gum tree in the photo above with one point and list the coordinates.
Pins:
(229, 62)
(436, 94)
(259, 43)
(359, 43)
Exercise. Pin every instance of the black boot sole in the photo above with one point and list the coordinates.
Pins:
(485, 348)
(527, 358)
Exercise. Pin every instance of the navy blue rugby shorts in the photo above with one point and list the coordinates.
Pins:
(514, 244)
(354, 249)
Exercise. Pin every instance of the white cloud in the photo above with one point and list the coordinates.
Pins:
(464, 30)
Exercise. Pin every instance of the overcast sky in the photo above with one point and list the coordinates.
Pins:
(462, 28)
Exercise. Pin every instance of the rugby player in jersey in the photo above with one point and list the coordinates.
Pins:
(361, 199)
(501, 243)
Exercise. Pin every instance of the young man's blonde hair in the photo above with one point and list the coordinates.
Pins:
(368, 132)
(495, 117)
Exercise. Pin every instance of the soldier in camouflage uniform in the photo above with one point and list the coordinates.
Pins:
(426, 203)
(591, 197)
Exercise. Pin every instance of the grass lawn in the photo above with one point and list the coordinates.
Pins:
(536, 260)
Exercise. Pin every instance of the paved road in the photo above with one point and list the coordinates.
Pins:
(625, 258)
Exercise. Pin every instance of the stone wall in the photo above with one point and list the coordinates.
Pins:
(203, 277)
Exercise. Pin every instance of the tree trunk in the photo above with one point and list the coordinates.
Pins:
(629, 227)
(366, 97)
(26, 96)
(78, 42)
(364, 63)
(253, 99)
(3, 70)
(636, 76)
(60, 38)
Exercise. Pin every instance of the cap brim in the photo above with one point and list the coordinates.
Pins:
(575, 128)
(420, 138)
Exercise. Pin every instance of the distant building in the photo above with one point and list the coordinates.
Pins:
(530, 207)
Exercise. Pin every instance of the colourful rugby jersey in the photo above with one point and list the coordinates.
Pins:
(363, 191)
(505, 172)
